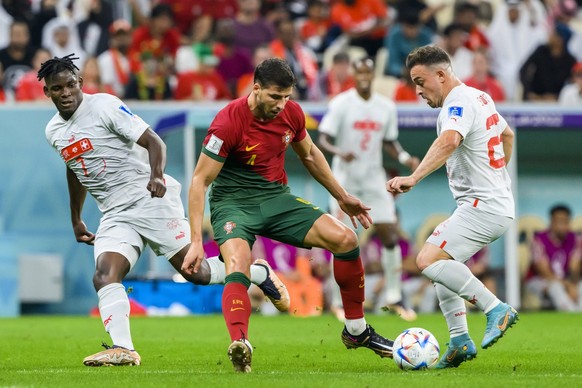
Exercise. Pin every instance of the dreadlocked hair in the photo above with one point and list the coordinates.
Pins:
(56, 65)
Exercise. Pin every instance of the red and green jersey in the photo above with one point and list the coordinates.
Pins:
(253, 151)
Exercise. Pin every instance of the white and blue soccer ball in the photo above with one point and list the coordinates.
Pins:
(416, 349)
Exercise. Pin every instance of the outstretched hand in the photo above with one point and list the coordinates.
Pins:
(82, 234)
(354, 208)
(400, 184)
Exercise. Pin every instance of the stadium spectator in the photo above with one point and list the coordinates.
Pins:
(91, 75)
(47, 10)
(482, 79)
(405, 90)
(517, 28)
(252, 30)
(426, 14)
(363, 22)
(205, 84)
(357, 127)
(452, 41)
(300, 58)
(151, 82)
(314, 30)
(554, 275)
(233, 61)
(94, 28)
(339, 77)
(571, 94)
(29, 88)
(5, 22)
(114, 63)
(245, 83)
(548, 68)
(480, 183)
(61, 37)
(407, 34)
(244, 151)
(467, 17)
(116, 157)
(157, 38)
(195, 18)
(16, 58)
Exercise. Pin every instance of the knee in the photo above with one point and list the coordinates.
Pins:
(239, 263)
(423, 260)
(346, 241)
(101, 278)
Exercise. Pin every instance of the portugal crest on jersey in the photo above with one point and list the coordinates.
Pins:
(229, 226)
(286, 138)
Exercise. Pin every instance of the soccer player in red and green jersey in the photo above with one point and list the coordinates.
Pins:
(243, 158)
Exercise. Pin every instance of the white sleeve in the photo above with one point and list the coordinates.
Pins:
(118, 118)
(331, 121)
(391, 127)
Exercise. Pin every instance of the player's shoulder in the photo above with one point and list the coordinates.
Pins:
(344, 97)
(53, 125)
(383, 100)
(293, 107)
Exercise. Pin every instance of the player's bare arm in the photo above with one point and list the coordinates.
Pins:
(395, 150)
(437, 155)
(157, 158)
(77, 195)
(327, 145)
(507, 138)
(314, 161)
(206, 171)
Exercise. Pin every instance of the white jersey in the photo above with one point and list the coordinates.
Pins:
(98, 144)
(476, 169)
(360, 126)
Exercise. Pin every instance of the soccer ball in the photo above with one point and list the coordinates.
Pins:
(415, 349)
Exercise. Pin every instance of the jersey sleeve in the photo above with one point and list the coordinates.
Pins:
(331, 121)
(457, 116)
(221, 137)
(391, 127)
(118, 118)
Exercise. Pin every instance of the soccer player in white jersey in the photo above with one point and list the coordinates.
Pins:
(476, 143)
(358, 125)
(116, 157)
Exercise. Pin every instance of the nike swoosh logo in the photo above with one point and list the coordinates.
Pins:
(238, 308)
(247, 148)
(451, 357)
(503, 326)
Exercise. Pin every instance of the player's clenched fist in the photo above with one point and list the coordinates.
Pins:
(400, 184)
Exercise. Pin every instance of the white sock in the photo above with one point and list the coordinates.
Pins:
(114, 309)
(217, 270)
(458, 278)
(356, 326)
(392, 266)
(453, 308)
(559, 297)
(258, 274)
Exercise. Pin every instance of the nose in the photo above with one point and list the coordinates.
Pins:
(66, 92)
(418, 90)
(281, 104)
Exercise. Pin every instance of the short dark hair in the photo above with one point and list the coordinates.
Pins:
(274, 72)
(341, 57)
(451, 28)
(561, 208)
(427, 56)
(56, 65)
(162, 10)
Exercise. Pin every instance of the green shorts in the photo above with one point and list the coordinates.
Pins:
(285, 218)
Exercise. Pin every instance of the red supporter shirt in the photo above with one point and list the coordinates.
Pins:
(360, 16)
(187, 11)
(143, 42)
(197, 86)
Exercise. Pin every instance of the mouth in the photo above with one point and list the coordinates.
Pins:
(67, 103)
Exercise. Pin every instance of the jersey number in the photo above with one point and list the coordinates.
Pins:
(251, 161)
(365, 140)
(493, 142)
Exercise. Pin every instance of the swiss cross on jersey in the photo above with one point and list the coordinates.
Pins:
(76, 149)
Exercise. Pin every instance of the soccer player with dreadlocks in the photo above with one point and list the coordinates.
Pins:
(116, 157)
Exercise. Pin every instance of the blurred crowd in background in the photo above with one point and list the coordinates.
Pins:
(206, 50)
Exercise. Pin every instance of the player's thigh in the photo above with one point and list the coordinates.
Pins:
(289, 219)
(232, 221)
(117, 235)
(161, 222)
(331, 234)
(466, 232)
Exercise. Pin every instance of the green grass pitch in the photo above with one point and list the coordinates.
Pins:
(542, 350)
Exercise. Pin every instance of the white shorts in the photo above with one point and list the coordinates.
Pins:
(467, 231)
(374, 196)
(158, 222)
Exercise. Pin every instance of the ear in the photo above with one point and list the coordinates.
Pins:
(80, 82)
(256, 88)
(46, 91)
(441, 76)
